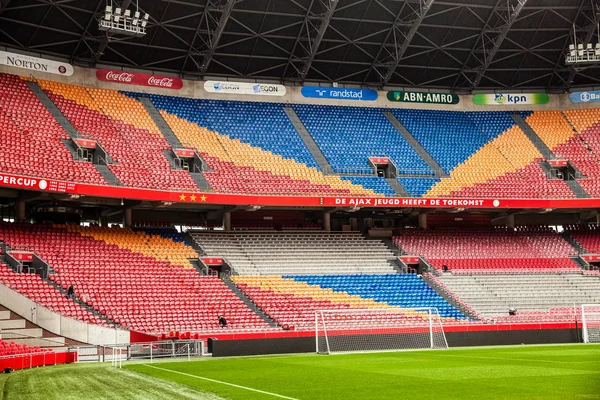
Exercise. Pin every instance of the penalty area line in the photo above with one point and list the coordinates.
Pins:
(221, 382)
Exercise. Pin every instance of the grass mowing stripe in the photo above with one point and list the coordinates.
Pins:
(221, 382)
(517, 359)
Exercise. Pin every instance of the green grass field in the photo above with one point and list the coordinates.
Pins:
(525, 372)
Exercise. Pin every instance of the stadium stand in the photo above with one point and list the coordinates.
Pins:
(31, 138)
(496, 250)
(586, 236)
(297, 253)
(137, 291)
(11, 348)
(134, 146)
(536, 297)
(348, 136)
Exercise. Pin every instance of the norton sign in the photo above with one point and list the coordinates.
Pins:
(256, 89)
(35, 63)
(423, 97)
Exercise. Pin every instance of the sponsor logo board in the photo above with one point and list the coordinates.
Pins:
(185, 153)
(247, 88)
(35, 63)
(380, 160)
(585, 97)
(86, 143)
(319, 92)
(422, 97)
(23, 256)
(212, 260)
(138, 78)
(510, 99)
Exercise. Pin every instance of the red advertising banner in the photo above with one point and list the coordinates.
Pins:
(558, 163)
(23, 256)
(380, 160)
(409, 259)
(86, 143)
(138, 78)
(591, 257)
(185, 153)
(212, 260)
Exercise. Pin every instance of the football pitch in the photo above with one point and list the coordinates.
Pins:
(524, 372)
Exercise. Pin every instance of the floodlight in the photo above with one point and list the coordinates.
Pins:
(118, 11)
(127, 13)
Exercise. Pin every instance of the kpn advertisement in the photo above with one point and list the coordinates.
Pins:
(510, 99)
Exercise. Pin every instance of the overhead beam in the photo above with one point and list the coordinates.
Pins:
(404, 28)
(3, 4)
(497, 26)
(588, 34)
(314, 27)
(208, 33)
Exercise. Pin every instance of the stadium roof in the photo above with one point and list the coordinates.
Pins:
(457, 44)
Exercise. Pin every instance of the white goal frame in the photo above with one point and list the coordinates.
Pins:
(360, 330)
(587, 323)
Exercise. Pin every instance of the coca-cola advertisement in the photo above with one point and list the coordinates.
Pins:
(138, 78)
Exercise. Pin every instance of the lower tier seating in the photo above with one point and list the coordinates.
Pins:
(297, 253)
(11, 348)
(536, 297)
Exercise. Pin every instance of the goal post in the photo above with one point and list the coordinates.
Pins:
(378, 329)
(590, 323)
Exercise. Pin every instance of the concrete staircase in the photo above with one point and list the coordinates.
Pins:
(249, 302)
(451, 300)
(108, 175)
(410, 139)
(547, 153)
(16, 329)
(56, 113)
(309, 141)
(76, 300)
(397, 187)
(174, 142)
(573, 242)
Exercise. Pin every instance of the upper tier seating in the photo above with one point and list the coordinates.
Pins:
(538, 297)
(294, 253)
(32, 286)
(494, 249)
(439, 131)
(240, 167)
(135, 149)
(404, 290)
(136, 291)
(348, 136)
(31, 138)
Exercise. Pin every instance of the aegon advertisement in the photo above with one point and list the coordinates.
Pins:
(319, 92)
(35, 63)
(249, 88)
(423, 97)
(585, 97)
(138, 78)
(510, 99)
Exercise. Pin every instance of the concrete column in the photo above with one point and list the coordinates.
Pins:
(327, 221)
(598, 219)
(20, 210)
(510, 221)
(127, 217)
(423, 221)
(353, 224)
(227, 220)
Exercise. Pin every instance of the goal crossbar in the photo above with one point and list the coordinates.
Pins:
(378, 329)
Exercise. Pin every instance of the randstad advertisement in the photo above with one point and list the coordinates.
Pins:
(510, 99)
(319, 92)
(585, 97)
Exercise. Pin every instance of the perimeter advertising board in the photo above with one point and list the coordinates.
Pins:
(510, 99)
(422, 97)
(585, 97)
(247, 88)
(318, 92)
(35, 63)
(138, 78)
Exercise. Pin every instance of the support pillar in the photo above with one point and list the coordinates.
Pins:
(127, 221)
(510, 221)
(20, 211)
(353, 224)
(227, 220)
(598, 219)
(327, 221)
(423, 221)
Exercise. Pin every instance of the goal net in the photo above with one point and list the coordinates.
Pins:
(381, 329)
(590, 318)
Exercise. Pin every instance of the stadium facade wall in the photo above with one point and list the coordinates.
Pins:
(59, 325)
(525, 334)
(195, 89)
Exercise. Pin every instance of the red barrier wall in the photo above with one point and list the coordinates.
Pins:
(24, 361)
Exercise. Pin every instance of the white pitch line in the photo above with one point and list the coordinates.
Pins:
(222, 383)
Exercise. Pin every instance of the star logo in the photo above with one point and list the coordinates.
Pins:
(193, 197)
(203, 198)
(182, 197)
